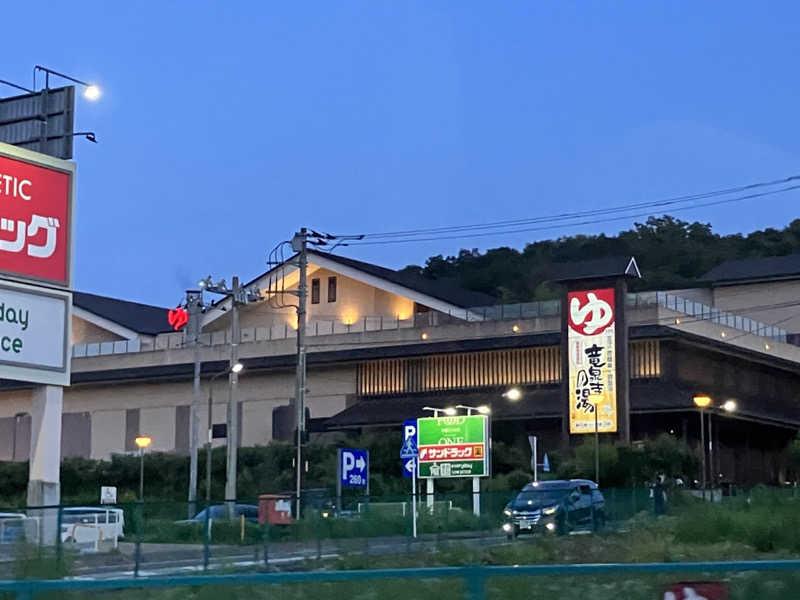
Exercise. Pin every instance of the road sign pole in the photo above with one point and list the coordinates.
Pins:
(476, 496)
(429, 494)
(535, 459)
(414, 501)
(338, 482)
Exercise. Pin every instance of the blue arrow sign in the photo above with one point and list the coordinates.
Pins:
(353, 467)
(409, 450)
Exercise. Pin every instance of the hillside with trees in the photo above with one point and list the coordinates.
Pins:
(671, 253)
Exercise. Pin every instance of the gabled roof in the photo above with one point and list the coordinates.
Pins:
(437, 289)
(749, 269)
(601, 268)
(139, 318)
(436, 295)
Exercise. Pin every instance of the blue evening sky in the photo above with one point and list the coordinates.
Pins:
(224, 126)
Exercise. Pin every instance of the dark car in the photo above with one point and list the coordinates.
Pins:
(558, 507)
(220, 511)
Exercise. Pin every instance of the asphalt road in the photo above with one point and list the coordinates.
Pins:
(158, 560)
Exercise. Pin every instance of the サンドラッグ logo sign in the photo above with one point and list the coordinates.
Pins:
(35, 218)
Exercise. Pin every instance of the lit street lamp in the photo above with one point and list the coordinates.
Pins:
(143, 441)
(513, 394)
(236, 368)
(482, 409)
(449, 411)
(90, 90)
(702, 402)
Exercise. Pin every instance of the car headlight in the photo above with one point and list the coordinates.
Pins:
(551, 527)
(507, 512)
(550, 511)
(506, 526)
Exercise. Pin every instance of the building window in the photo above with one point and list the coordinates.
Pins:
(331, 289)
(315, 291)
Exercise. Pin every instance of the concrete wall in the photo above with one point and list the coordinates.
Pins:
(95, 422)
(742, 299)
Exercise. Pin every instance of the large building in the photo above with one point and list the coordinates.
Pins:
(384, 344)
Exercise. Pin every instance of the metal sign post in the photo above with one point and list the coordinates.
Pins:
(408, 454)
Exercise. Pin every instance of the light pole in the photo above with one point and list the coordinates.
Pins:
(702, 402)
(729, 406)
(595, 400)
(143, 441)
(237, 368)
(429, 491)
(239, 296)
(476, 481)
(90, 92)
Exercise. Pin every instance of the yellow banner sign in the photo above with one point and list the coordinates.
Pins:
(591, 354)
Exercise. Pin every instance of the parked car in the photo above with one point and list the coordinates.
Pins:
(558, 507)
(110, 521)
(12, 527)
(220, 511)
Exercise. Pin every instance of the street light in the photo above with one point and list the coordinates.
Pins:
(236, 368)
(449, 411)
(513, 394)
(702, 402)
(143, 441)
(90, 90)
(482, 409)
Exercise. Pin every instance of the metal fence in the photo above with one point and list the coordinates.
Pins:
(750, 580)
(164, 538)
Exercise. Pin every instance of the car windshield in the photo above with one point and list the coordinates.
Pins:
(538, 498)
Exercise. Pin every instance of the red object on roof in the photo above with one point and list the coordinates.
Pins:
(177, 317)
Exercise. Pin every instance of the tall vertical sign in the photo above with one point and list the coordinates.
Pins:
(591, 355)
(36, 204)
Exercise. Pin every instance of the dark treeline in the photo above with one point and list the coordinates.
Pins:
(671, 254)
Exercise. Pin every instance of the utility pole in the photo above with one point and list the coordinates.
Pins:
(194, 305)
(300, 245)
(233, 402)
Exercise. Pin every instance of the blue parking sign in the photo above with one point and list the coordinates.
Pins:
(353, 468)
(408, 451)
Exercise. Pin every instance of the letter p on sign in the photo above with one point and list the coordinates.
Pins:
(348, 463)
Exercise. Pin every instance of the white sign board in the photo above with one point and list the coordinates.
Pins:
(35, 326)
(108, 494)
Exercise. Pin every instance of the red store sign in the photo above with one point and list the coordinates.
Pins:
(35, 216)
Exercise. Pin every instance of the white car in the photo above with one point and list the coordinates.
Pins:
(12, 527)
(90, 523)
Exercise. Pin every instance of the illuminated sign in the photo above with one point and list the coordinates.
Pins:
(35, 216)
(453, 446)
(177, 318)
(34, 334)
(591, 353)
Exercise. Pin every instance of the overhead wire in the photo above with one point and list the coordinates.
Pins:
(580, 214)
(367, 241)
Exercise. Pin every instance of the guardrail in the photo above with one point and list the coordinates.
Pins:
(475, 578)
(498, 312)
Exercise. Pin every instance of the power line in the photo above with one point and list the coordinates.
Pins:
(567, 224)
(579, 214)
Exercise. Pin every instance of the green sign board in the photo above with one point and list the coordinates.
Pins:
(453, 446)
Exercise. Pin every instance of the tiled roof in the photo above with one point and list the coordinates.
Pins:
(768, 267)
(141, 318)
(437, 289)
(601, 268)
